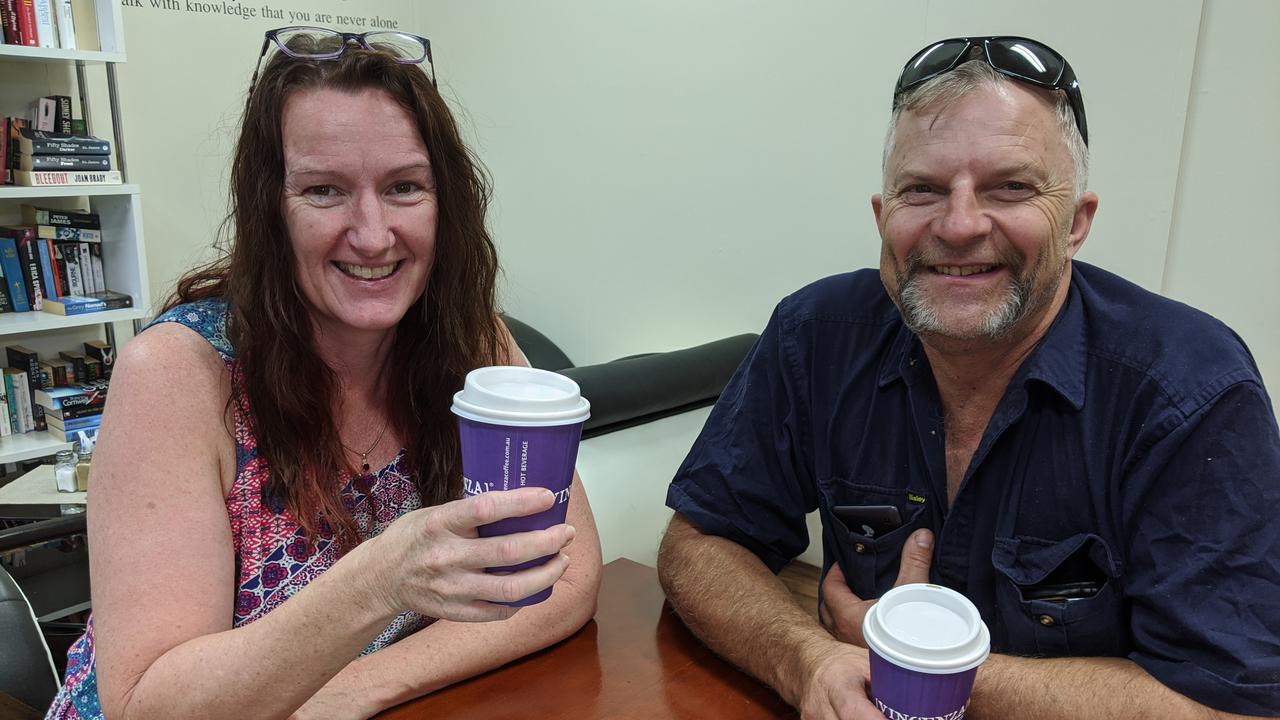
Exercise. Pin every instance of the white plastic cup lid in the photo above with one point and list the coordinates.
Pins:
(522, 396)
(927, 628)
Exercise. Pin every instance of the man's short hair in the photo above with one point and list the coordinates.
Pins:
(971, 76)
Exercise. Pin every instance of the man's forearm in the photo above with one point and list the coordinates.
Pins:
(1010, 687)
(731, 601)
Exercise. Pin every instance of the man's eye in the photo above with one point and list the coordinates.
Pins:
(919, 189)
(1016, 186)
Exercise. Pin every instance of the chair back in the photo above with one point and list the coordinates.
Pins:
(27, 671)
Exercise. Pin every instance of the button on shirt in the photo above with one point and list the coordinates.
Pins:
(1120, 503)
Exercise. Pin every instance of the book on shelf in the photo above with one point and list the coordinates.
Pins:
(46, 32)
(48, 270)
(5, 178)
(6, 302)
(93, 302)
(28, 361)
(25, 239)
(71, 413)
(102, 352)
(85, 17)
(62, 162)
(43, 178)
(13, 274)
(80, 423)
(76, 435)
(62, 120)
(43, 112)
(32, 141)
(15, 381)
(80, 395)
(78, 372)
(67, 256)
(26, 17)
(92, 369)
(32, 215)
(59, 233)
(66, 24)
(96, 270)
(9, 20)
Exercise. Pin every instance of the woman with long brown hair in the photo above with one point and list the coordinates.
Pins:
(275, 522)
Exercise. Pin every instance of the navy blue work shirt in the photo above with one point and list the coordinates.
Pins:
(1122, 501)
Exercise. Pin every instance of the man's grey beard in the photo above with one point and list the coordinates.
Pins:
(1019, 300)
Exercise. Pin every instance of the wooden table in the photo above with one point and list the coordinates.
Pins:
(635, 661)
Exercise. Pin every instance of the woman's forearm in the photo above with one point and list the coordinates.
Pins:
(448, 652)
(265, 669)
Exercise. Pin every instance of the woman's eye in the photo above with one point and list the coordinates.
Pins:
(403, 188)
(320, 190)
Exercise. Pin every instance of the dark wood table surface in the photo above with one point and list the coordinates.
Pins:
(635, 661)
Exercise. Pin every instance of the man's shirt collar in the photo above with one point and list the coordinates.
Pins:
(1058, 361)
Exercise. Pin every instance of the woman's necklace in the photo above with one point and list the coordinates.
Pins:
(364, 456)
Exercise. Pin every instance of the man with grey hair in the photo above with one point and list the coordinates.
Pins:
(1092, 465)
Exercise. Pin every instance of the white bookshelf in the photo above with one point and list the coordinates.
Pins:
(119, 206)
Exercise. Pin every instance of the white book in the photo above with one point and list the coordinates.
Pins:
(26, 420)
(5, 428)
(95, 261)
(66, 24)
(42, 178)
(86, 269)
(46, 30)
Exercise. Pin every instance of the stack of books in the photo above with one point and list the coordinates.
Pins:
(41, 157)
(53, 263)
(64, 395)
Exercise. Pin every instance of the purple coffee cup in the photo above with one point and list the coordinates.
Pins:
(926, 643)
(520, 427)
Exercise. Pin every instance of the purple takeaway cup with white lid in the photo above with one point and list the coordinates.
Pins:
(520, 427)
(926, 643)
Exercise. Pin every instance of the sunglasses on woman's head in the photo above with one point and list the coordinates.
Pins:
(1023, 59)
(317, 43)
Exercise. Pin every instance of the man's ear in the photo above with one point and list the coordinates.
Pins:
(1081, 221)
(876, 206)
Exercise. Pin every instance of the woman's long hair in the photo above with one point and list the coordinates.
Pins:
(450, 330)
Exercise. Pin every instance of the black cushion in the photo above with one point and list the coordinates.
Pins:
(25, 670)
(643, 388)
(541, 352)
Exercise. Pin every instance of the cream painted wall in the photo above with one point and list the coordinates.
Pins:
(667, 171)
(1223, 250)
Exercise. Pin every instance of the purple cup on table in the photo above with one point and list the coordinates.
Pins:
(926, 643)
(520, 427)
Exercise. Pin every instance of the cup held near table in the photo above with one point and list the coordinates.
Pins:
(925, 644)
(520, 427)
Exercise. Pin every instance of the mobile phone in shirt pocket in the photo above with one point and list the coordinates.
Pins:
(1058, 597)
(870, 561)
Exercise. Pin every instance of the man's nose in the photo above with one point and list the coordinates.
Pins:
(370, 230)
(963, 219)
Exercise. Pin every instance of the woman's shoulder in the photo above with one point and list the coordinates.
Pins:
(207, 318)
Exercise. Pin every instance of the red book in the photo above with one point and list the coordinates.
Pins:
(9, 16)
(27, 23)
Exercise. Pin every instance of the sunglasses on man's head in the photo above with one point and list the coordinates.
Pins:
(1023, 59)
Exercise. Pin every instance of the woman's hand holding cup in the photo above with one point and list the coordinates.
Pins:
(433, 561)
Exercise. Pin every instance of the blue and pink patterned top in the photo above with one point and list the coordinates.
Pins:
(273, 558)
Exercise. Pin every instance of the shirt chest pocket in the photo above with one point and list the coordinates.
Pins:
(1058, 597)
(869, 561)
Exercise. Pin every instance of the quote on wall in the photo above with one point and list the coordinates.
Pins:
(264, 11)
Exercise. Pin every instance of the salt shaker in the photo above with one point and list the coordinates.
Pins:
(64, 470)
